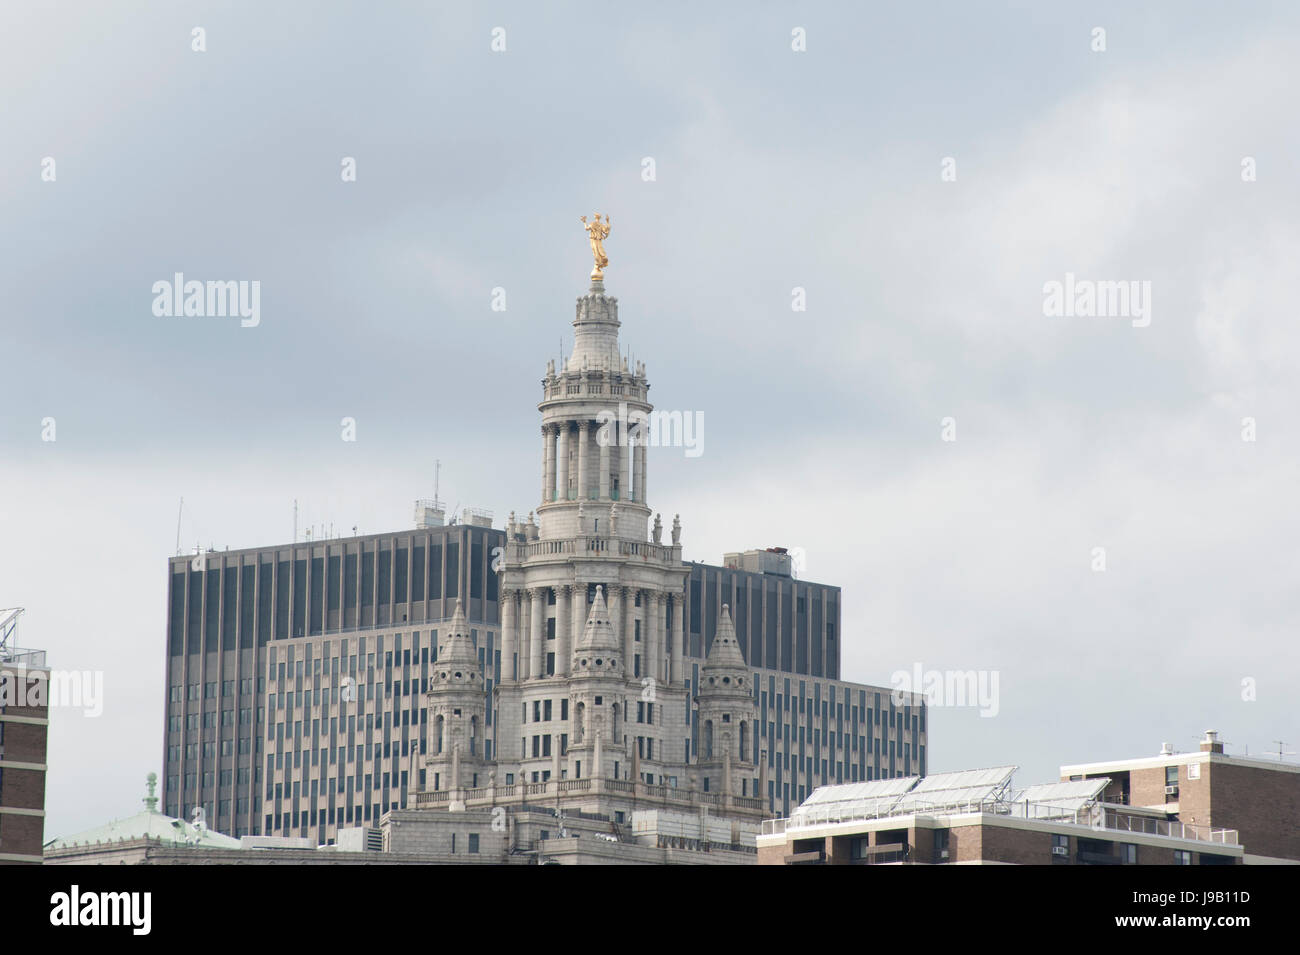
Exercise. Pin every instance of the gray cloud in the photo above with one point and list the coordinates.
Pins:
(775, 170)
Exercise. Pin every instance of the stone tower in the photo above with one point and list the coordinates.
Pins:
(454, 757)
(588, 570)
(726, 702)
(596, 692)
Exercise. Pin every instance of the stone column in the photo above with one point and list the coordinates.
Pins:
(726, 774)
(577, 614)
(583, 434)
(525, 654)
(562, 452)
(603, 484)
(629, 630)
(624, 450)
(675, 651)
(640, 472)
(537, 665)
(548, 462)
(615, 601)
(661, 635)
(508, 636)
(563, 646)
(545, 455)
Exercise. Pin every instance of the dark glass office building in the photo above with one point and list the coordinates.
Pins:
(296, 677)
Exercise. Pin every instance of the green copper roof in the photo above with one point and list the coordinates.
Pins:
(150, 824)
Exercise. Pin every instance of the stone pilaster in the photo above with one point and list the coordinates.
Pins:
(584, 434)
(509, 635)
(603, 483)
(638, 465)
(624, 449)
(629, 630)
(676, 650)
(523, 653)
(563, 633)
(549, 438)
(537, 638)
(661, 636)
(562, 452)
(577, 614)
(616, 621)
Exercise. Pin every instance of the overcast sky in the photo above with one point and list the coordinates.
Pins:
(774, 169)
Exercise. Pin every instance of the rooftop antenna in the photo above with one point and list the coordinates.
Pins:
(295, 520)
(1282, 750)
(437, 478)
(179, 511)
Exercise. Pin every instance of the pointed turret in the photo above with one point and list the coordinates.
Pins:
(454, 752)
(598, 648)
(456, 645)
(726, 716)
(725, 665)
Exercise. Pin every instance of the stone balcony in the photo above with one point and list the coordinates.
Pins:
(520, 794)
(562, 549)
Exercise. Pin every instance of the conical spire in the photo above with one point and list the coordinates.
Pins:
(456, 644)
(725, 674)
(598, 634)
(725, 652)
(598, 652)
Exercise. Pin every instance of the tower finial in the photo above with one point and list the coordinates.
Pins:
(151, 785)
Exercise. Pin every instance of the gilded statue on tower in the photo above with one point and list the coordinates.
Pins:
(597, 233)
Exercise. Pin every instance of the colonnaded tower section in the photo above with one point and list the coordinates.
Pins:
(591, 596)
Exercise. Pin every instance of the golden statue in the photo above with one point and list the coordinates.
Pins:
(597, 233)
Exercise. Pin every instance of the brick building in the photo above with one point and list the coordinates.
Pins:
(1257, 796)
(976, 817)
(24, 728)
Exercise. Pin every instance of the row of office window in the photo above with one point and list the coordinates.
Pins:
(262, 596)
(781, 623)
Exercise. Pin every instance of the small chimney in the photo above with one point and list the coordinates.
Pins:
(1166, 749)
(1211, 742)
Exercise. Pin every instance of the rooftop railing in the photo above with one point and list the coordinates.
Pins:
(1091, 816)
(18, 656)
(587, 544)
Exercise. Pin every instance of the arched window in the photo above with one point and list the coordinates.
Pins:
(439, 734)
(744, 725)
(579, 722)
(708, 739)
(473, 734)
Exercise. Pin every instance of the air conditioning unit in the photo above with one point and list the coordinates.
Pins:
(1060, 850)
(943, 853)
(1171, 790)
